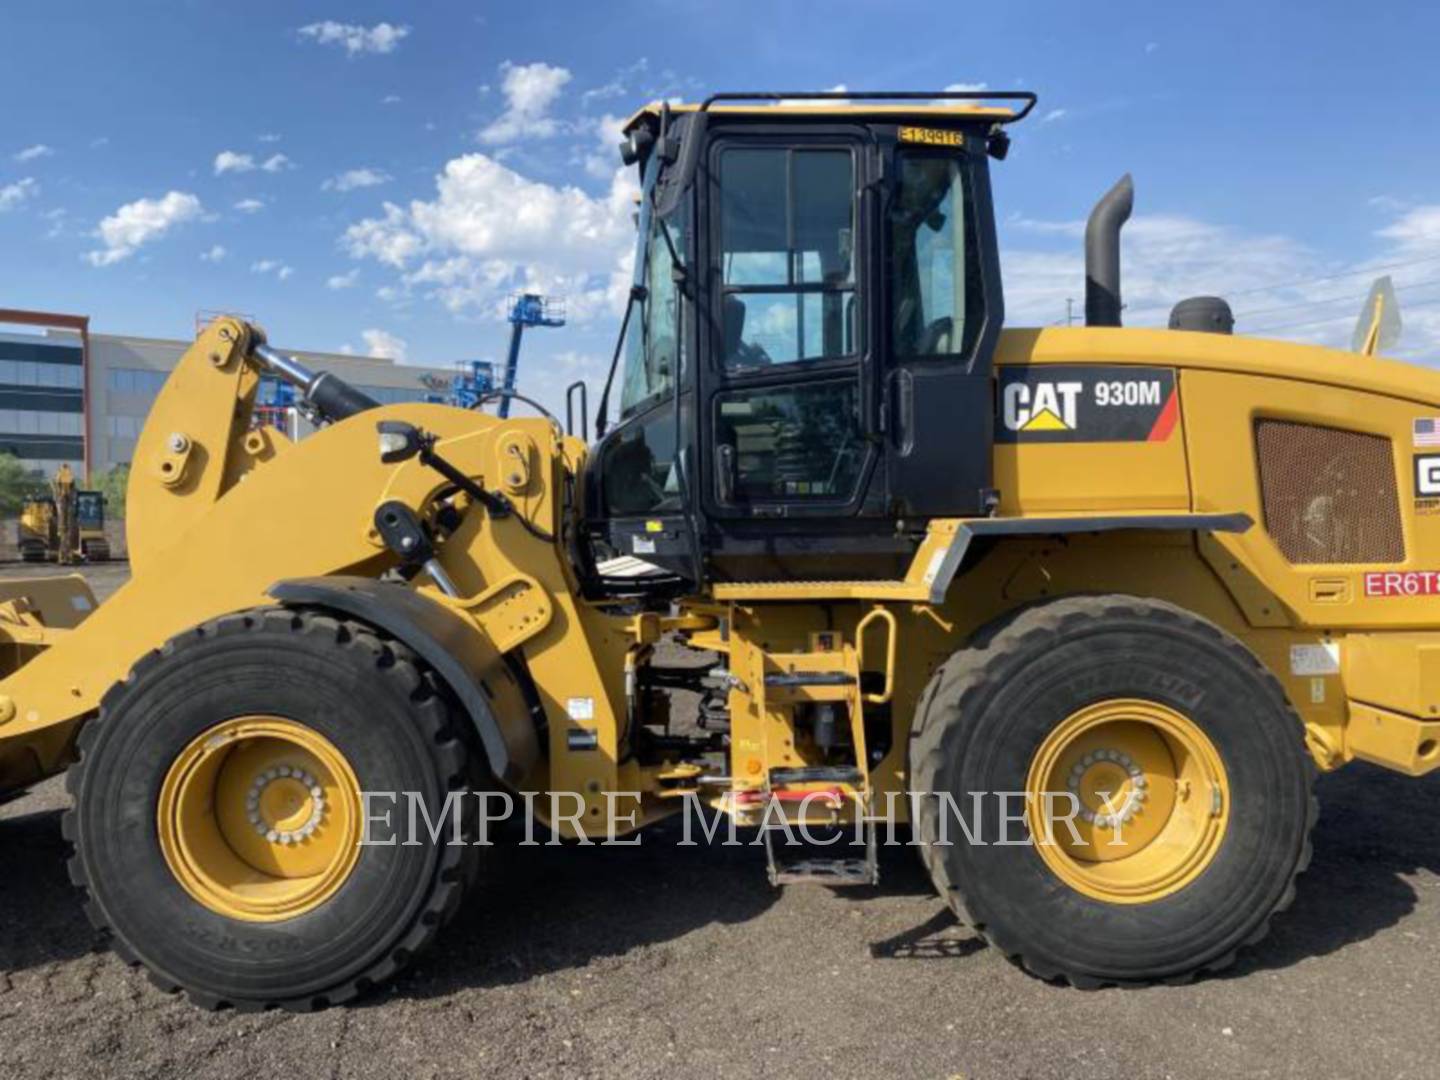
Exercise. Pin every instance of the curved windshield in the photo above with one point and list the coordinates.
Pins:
(654, 346)
(654, 343)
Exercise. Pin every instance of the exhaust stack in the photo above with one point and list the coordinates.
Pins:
(1102, 253)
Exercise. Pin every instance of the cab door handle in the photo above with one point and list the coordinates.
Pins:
(725, 473)
(904, 398)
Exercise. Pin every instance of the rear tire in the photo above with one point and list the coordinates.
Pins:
(990, 718)
(373, 714)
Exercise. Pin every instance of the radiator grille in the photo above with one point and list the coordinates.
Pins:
(1329, 495)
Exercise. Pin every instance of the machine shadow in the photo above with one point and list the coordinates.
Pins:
(542, 909)
(1367, 851)
(39, 908)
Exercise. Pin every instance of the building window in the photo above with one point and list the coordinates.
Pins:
(30, 373)
(137, 381)
(40, 422)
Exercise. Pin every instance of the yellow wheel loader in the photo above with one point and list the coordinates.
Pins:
(35, 536)
(93, 544)
(1084, 608)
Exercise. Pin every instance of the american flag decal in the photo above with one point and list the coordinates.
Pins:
(1427, 431)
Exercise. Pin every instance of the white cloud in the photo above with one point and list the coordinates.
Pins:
(99, 142)
(31, 153)
(385, 345)
(1164, 258)
(249, 206)
(267, 137)
(490, 231)
(356, 40)
(21, 191)
(602, 161)
(214, 255)
(388, 239)
(1416, 230)
(229, 161)
(343, 281)
(530, 90)
(271, 266)
(138, 223)
(1053, 115)
(1278, 286)
(356, 178)
(390, 99)
(838, 88)
(619, 86)
(967, 87)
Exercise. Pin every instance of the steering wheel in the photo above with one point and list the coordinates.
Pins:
(935, 335)
(749, 354)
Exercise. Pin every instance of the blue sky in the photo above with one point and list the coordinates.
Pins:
(376, 176)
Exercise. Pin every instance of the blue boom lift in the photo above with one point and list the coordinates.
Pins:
(527, 309)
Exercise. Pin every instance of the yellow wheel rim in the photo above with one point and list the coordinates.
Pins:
(259, 819)
(1127, 801)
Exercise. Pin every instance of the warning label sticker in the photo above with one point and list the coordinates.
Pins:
(1079, 403)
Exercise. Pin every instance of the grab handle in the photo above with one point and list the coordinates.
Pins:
(892, 633)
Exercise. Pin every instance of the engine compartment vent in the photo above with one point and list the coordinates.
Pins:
(1329, 495)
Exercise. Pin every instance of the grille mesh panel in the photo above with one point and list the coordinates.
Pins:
(1329, 495)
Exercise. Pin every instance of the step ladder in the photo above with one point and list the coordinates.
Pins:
(840, 787)
(820, 865)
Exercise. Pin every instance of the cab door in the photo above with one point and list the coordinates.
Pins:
(787, 384)
(943, 310)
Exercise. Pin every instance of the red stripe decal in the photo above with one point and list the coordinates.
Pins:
(1165, 422)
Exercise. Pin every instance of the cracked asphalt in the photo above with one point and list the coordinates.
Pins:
(662, 960)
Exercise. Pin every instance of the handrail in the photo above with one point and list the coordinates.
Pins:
(894, 632)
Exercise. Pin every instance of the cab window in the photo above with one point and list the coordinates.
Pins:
(794, 443)
(787, 229)
(638, 468)
(936, 296)
(655, 343)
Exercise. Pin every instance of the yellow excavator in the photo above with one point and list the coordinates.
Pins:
(64, 525)
(1087, 607)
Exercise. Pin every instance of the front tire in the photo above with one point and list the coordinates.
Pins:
(217, 812)
(1155, 723)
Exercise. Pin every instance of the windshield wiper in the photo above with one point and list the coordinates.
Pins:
(637, 295)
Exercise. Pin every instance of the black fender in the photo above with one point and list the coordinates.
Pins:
(982, 528)
(447, 642)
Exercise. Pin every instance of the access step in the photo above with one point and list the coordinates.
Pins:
(822, 869)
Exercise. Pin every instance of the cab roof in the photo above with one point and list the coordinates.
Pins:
(933, 110)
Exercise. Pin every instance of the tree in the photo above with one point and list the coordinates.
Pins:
(112, 484)
(17, 484)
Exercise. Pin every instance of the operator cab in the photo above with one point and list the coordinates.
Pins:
(804, 370)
